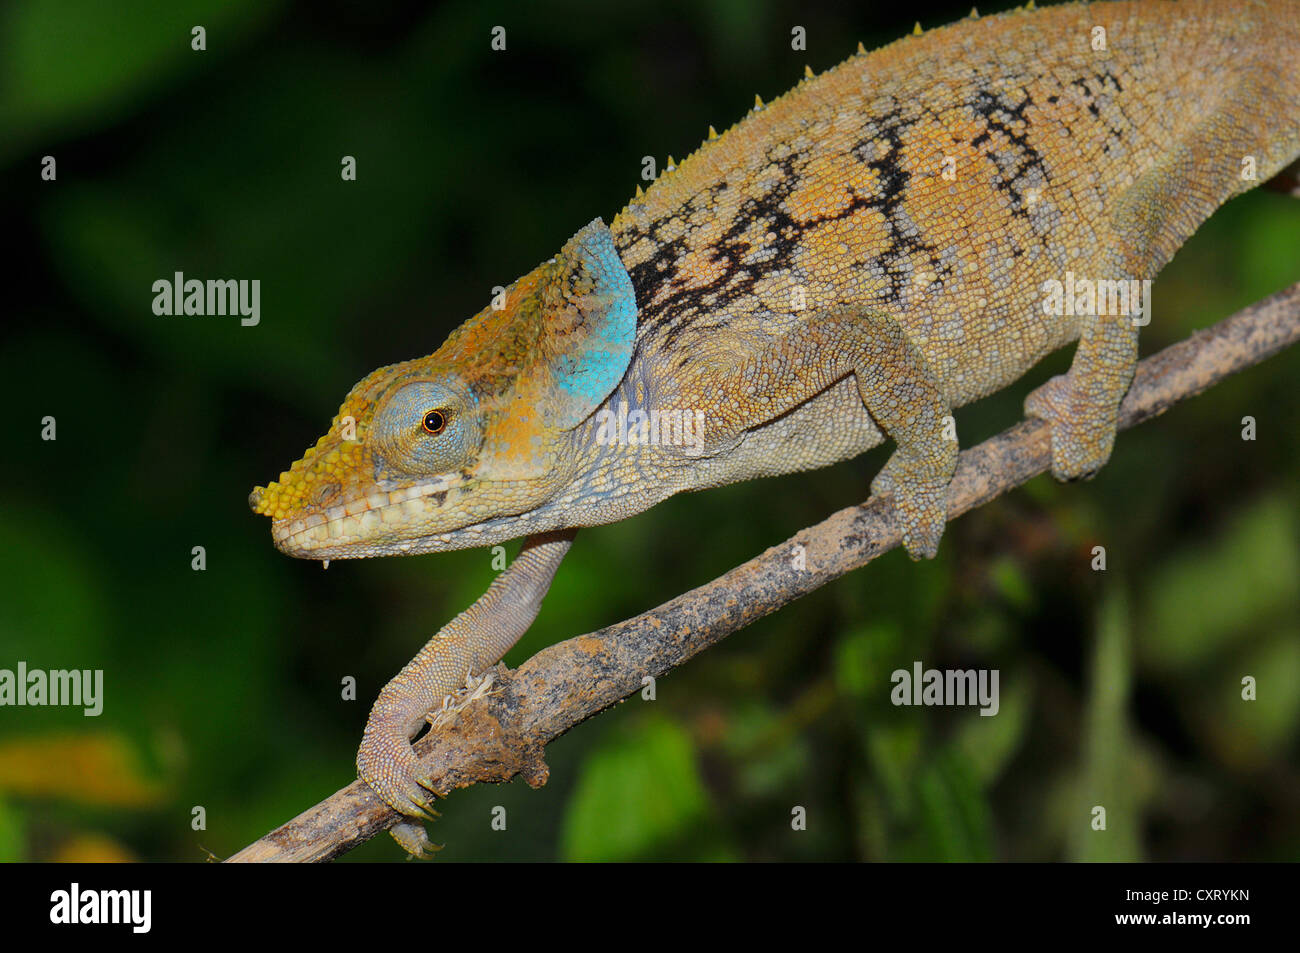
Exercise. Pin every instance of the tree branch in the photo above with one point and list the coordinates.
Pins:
(505, 733)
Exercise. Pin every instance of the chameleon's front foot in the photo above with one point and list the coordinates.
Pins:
(387, 762)
(1082, 438)
(919, 489)
(389, 765)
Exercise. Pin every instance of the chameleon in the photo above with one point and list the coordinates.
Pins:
(844, 266)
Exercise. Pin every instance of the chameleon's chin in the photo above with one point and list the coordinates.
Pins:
(308, 538)
(346, 537)
(340, 532)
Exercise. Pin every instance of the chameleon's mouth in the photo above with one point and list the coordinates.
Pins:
(350, 529)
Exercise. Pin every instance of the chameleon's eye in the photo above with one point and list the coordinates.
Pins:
(428, 427)
(435, 422)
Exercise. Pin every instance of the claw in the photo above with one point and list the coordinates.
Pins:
(414, 839)
(413, 808)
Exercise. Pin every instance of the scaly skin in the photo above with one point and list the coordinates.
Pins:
(846, 264)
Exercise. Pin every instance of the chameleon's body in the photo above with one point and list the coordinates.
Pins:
(846, 265)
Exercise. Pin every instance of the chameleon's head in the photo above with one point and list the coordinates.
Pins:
(436, 453)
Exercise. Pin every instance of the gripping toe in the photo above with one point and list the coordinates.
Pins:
(1082, 439)
(920, 503)
(389, 766)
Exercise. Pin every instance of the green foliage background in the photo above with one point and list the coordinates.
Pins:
(1119, 688)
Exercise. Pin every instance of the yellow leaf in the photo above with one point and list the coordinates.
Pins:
(93, 769)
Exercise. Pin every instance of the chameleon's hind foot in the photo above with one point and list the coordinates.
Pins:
(920, 502)
(414, 839)
(1082, 437)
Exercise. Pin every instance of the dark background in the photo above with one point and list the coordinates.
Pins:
(222, 687)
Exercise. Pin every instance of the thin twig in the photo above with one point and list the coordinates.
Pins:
(505, 733)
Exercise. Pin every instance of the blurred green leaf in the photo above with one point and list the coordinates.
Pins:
(1251, 733)
(862, 659)
(953, 811)
(988, 742)
(769, 758)
(1201, 601)
(1010, 582)
(1107, 778)
(636, 791)
(84, 61)
(50, 619)
(11, 834)
(895, 750)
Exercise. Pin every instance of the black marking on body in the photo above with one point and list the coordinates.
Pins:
(668, 305)
(893, 179)
(1003, 116)
(1092, 88)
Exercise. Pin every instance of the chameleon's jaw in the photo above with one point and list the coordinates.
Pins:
(379, 519)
